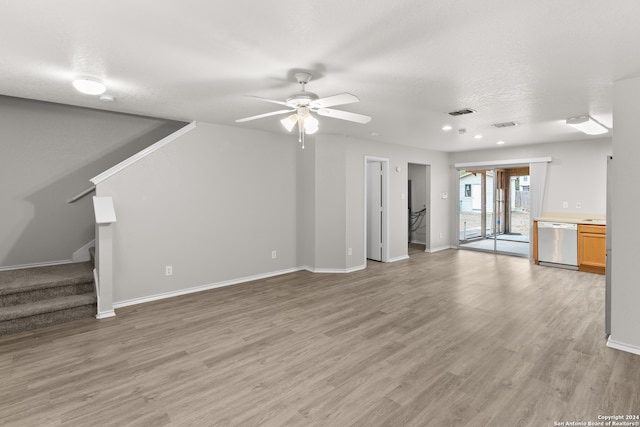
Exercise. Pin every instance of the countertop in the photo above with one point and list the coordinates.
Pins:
(572, 218)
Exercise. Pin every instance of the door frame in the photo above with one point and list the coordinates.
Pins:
(427, 195)
(385, 206)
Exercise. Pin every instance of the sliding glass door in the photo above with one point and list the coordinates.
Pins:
(493, 212)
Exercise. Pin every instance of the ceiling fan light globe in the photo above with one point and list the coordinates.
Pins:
(289, 122)
(310, 124)
(310, 130)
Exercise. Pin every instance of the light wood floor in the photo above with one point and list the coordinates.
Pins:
(454, 338)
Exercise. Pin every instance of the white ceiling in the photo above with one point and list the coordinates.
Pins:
(410, 62)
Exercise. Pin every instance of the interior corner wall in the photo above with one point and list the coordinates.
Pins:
(306, 204)
(330, 182)
(49, 153)
(213, 204)
(625, 291)
(577, 173)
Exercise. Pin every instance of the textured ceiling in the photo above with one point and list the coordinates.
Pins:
(410, 62)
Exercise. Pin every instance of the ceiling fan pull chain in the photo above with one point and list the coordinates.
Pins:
(300, 135)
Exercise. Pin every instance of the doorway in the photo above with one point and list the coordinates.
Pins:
(418, 207)
(376, 215)
(494, 210)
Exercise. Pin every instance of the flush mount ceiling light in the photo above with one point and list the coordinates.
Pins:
(89, 86)
(447, 128)
(587, 125)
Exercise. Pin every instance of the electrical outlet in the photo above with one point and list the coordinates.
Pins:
(274, 255)
(578, 205)
(349, 251)
(565, 205)
(441, 235)
(168, 270)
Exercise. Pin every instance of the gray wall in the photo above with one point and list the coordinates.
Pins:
(217, 201)
(625, 288)
(213, 204)
(577, 173)
(49, 153)
(398, 156)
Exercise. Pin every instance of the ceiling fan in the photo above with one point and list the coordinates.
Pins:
(303, 103)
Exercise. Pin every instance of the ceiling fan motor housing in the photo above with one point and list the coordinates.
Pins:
(301, 99)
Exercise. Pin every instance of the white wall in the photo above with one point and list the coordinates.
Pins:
(577, 173)
(625, 285)
(49, 153)
(213, 204)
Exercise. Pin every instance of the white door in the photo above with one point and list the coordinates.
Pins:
(374, 211)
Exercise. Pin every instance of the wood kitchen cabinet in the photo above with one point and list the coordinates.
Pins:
(592, 248)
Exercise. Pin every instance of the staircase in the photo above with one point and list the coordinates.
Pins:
(32, 298)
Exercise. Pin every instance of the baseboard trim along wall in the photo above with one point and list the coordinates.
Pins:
(334, 270)
(442, 248)
(36, 264)
(186, 291)
(398, 258)
(105, 314)
(622, 346)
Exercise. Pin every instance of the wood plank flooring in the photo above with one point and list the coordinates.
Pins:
(454, 338)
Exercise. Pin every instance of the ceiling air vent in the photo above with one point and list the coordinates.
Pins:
(462, 112)
(504, 125)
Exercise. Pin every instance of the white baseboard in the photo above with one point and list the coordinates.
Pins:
(417, 242)
(187, 291)
(398, 258)
(36, 264)
(82, 254)
(441, 248)
(334, 270)
(105, 314)
(622, 346)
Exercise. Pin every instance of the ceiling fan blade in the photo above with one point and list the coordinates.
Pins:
(344, 115)
(259, 116)
(273, 101)
(331, 101)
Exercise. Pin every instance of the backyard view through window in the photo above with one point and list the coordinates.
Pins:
(494, 210)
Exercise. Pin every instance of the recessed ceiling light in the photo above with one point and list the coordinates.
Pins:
(478, 136)
(374, 134)
(107, 98)
(446, 128)
(89, 86)
(500, 142)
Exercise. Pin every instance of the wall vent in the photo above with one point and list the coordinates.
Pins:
(462, 112)
(504, 125)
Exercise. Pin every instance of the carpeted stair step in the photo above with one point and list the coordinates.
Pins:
(32, 298)
(40, 283)
(39, 314)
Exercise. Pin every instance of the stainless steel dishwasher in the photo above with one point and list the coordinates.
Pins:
(558, 244)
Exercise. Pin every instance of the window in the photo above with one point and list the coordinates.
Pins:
(467, 190)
